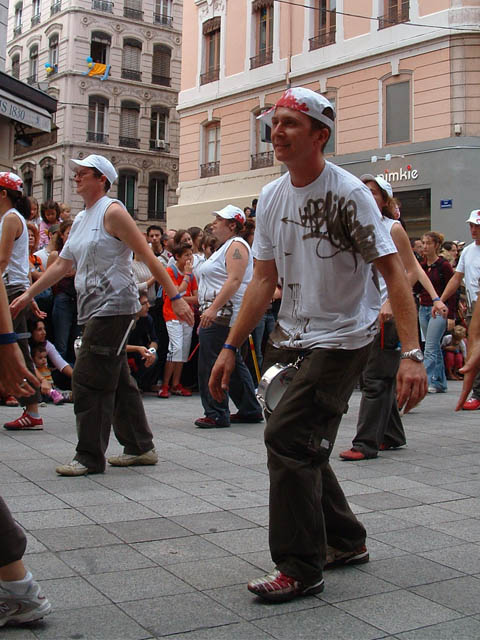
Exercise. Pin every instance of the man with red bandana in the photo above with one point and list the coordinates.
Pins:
(318, 231)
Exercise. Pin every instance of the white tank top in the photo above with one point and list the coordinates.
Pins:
(104, 280)
(212, 277)
(388, 222)
(17, 269)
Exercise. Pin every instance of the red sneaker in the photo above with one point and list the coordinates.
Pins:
(352, 456)
(277, 587)
(178, 390)
(11, 401)
(164, 392)
(209, 423)
(471, 405)
(26, 422)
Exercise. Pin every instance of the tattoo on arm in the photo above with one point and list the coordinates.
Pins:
(237, 255)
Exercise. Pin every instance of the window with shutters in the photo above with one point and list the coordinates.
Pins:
(161, 65)
(397, 110)
(17, 24)
(33, 65)
(163, 13)
(127, 191)
(133, 9)
(211, 50)
(211, 151)
(394, 12)
(157, 188)
(47, 183)
(324, 24)
(16, 66)
(131, 59)
(28, 183)
(159, 129)
(262, 151)
(100, 47)
(35, 12)
(129, 114)
(97, 120)
(263, 21)
(53, 51)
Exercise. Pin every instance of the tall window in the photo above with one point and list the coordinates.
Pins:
(129, 114)
(331, 146)
(211, 151)
(163, 12)
(131, 59)
(97, 119)
(157, 186)
(397, 112)
(127, 188)
(211, 45)
(158, 129)
(53, 51)
(394, 12)
(16, 66)
(262, 152)
(161, 65)
(324, 25)
(47, 183)
(33, 65)
(28, 183)
(263, 15)
(133, 9)
(100, 47)
(35, 12)
(17, 24)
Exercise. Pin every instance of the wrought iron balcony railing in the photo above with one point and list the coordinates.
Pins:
(262, 58)
(210, 76)
(131, 74)
(261, 160)
(396, 14)
(210, 169)
(95, 136)
(322, 39)
(131, 143)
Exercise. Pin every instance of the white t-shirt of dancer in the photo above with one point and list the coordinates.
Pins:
(103, 280)
(322, 238)
(18, 267)
(469, 265)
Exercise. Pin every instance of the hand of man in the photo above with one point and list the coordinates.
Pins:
(469, 370)
(15, 378)
(20, 303)
(183, 311)
(207, 317)
(220, 375)
(386, 313)
(36, 310)
(412, 384)
(439, 308)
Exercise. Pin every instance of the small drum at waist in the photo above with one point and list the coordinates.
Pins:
(274, 383)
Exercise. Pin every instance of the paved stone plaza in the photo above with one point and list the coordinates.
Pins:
(166, 551)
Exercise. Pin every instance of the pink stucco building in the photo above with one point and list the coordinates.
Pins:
(403, 76)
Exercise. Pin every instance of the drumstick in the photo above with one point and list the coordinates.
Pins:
(254, 357)
(193, 352)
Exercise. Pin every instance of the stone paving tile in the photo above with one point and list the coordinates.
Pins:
(428, 494)
(47, 519)
(178, 613)
(167, 552)
(18, 489)
(138, 584)
(212, 522)
(464, 558)
(397, 611)
(103, 559)
(34, 545)
(468, 529)
(120, 513)
(350, 582)
(383, 500)
(241, 541)
(468, 507)
(93, 497)
(146, 530)
(239, 631)
(69, 538)
(214, 572)
(461, 594)
(466, 487)
(376, 522)
(409, 570)
(426, 514)
(416, 539)
(46, 566)
(72, 593)
(258, 515)
(40, 503)
(180, 506)
(461, 629)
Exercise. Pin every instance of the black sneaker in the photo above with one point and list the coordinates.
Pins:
(240, 418)
(339, 558)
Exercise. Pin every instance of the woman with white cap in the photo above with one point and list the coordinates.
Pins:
(379, 425)
(100, 247)
(223, 280)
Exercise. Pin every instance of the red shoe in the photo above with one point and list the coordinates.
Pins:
(11, 401)
(209, 423)
(471, 405)
(164, 392)
(277, 587)
(26, 422)
(352, 455)
(178, 390)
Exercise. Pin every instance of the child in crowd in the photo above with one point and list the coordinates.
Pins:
(50, 212)
(209, 245)
(179, 333)
(65, 212)
(454, 352)
(43, 373)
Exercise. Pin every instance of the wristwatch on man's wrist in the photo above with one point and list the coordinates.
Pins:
(415, 354)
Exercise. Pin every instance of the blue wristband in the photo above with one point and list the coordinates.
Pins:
(437, 299)
(177, 297)
(8, 338)
(230, 346)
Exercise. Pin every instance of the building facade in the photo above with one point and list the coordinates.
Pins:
(402, 75)
(115, 70)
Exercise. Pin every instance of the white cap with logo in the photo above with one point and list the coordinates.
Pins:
(474, 217)
(382, 183)
(100, 163)
(309, 102)
(230, 212)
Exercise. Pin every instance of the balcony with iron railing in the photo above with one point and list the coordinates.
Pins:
(17, 30)
(131, 143)
(55, 7)
(133, 14)
(396, 15)
(33, 79)
(262, 58)
(157, 215)
(35, 19)
(159, 145)
(160, 18)
(131, 74)
(210, 169)
(163, 80)
(261, 160)
(95, 136)
(102, 5)
(323, 39)
(211, 75)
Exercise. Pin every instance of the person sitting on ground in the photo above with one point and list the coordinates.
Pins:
(179, 333)
(142, 347)
(44, 375)
(454, 349)
(61, 370)
(50, 212)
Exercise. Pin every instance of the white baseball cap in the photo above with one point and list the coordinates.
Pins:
(474, 216)
(97, 162)
(9, 180)
(309, 102)
(382, 183)
(230, 212)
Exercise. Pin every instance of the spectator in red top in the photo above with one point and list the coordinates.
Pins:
(179, 332)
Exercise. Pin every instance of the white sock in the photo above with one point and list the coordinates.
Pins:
(18, 587)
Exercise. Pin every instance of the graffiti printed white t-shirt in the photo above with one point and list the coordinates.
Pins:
(322, 238)
(469, 265)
